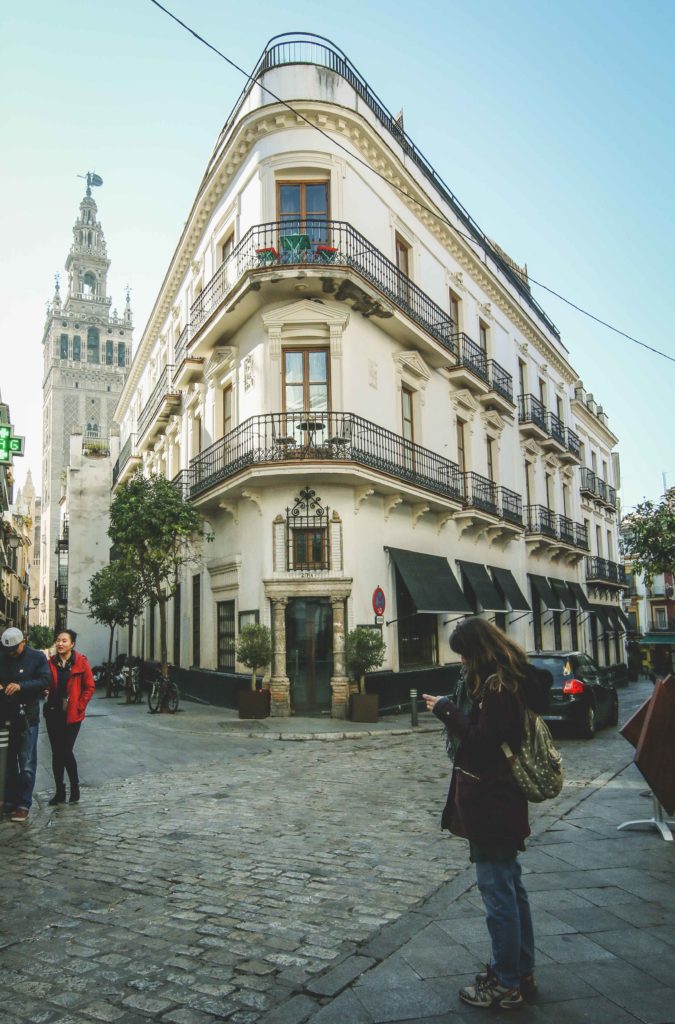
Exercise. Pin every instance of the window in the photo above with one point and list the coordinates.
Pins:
(489, 443)
(93, 346)
(417, 634)
(196, 621)
(64, 346)
(542, 391)
(559, 407)
(407, 413)
(89, 281)
(461, 448)
(309, 548)
(549, 490)
(303, 208)
(121, 354)
(403, 264)
(610, 549)
(604, 470)
(225, 635)
(565, 499)
(454, 311)
(307, 533)
(661, 618)
(522, 377)
(77, 348)
(482, 335)
(227, 409)
(528, 492)
(249, 618)
(109, 352)
(598, 541)
(306, 383)
(176, 626)
(196, 435)
(227, 247)
(594, 462)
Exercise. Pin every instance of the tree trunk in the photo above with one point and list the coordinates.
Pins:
(131, 636)
(164, 657)
(362, 683)
(108, 681)
(253, 675)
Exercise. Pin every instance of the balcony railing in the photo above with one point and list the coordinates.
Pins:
(556, 429)
(181, 482)
(127, 451)
(61, 593)
(335, 437)
(511, 506)
(531, 410)
(481, 492)
(471, 355)
(601, 489)
(500, 380)
(180, 348)
(541, 520)
(322, 243)
(154, 402)
(602, 570)
(581, 535)
(566, 531)
(659, 626)
(94, 444)
(308, 48)
(573, 443)
(589, 481)
(611, 496)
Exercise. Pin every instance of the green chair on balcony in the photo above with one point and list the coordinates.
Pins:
(294, 247)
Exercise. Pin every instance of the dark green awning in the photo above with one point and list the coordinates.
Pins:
(658, 640)
(477, 578)
(430, 582)
(563, 593)
(602, 613)
(580, 595)
(506, 584)
(542, 590)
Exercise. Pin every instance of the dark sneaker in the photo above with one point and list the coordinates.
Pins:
(528, 982)
(490, 993)
(20, 814)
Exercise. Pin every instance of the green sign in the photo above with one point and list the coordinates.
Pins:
(9, 445)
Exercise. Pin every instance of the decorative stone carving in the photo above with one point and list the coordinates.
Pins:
(442, 518)
(372, 374)
(231, 507)
(417, 511)
(391, 501)
(360, 495)
(462, 401)
(280, 684)
(256, 497)
(249, 376)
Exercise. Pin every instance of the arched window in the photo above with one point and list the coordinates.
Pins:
(89, 282)
(77, 348)
(121, 354)
(109, 353)
(93, 346)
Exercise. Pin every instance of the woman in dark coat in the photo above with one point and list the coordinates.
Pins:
(70, 690)
(486, 806)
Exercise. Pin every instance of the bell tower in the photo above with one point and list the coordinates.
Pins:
(87, 352)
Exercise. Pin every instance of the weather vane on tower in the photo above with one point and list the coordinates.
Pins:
(93, 180)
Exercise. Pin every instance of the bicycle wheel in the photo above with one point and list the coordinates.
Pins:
(154, 698)
(173, 697)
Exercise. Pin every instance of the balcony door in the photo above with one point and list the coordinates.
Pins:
(306, 393)
(303, 210)
(408, 427)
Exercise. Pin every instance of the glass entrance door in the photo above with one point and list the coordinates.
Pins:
(309, 652)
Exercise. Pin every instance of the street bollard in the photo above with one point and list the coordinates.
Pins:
(413, 708)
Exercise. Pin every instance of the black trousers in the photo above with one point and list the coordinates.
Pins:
(62, 740)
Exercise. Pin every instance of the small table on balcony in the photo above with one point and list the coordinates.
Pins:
(311, 428)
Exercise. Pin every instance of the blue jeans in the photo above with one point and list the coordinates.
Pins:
(21, 766)
(508, 919)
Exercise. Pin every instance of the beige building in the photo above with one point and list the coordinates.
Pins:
(359, 392)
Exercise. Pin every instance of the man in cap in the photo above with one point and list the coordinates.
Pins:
(24, 676)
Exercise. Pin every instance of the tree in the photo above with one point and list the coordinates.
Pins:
(648, 536)
(155, 531)
(40, 637)
(364, 650)
(254, 648)
(114, 597)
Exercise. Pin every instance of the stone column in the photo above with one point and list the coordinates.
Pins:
(280, 684)
(339, 682)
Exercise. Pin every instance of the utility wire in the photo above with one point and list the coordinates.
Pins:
(428, 209)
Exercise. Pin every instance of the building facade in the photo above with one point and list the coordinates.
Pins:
(87, 351)
(359, 392)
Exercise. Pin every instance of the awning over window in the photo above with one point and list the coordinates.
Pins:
(580, 595)
(541, 589)
(477, 577)
(507, 586)
(430, 582)
(563, 593)
(625, 621)
(602, 613)
(658, 640)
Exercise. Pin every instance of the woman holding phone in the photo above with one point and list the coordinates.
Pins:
(70, 690)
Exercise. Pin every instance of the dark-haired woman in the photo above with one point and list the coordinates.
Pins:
(70, 690)
(485, 804)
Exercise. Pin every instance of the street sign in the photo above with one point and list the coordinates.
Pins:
(379, 601)
(9, 444)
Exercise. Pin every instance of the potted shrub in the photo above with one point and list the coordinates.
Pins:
(364, 651)
(254, 649)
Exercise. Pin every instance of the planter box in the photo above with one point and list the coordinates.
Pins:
(254, 703)
(364, 707)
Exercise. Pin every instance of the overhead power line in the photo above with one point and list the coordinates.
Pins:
(428, 209)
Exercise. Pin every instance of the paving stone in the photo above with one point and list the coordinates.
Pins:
(295, 1011)
(103, 1011)
(404, 1002)
(146, 1003)
(334, 981)
(345, 1008)
(185, 1016)
(572, 949)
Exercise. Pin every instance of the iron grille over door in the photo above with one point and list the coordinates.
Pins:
(226, 634)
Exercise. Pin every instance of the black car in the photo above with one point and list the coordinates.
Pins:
(580, 697)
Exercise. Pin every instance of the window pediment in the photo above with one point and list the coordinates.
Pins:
(305, 313)
(412, 365)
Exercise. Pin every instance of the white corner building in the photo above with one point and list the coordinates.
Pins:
(358, 391)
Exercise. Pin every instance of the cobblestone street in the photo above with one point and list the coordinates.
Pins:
(221, 887)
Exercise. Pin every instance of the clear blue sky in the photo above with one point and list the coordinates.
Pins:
(552, 122)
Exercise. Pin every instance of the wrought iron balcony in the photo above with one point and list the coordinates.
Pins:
(329, 437)
(500, 380)
(94, 444)
(581, 535)
(127, 451)
(531, 410)
(61, 593)
(589, 482)
(481, 492)
(556, 429)
(321, 244)
(162, 390)
(601, 489)
(573, 443)
(181, 482)
(511, 506)
(471, 355)
(180, 348)
(541, 520)
(603, 571)
(611, 496)
(566, 531)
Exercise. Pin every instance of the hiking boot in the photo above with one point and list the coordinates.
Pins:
(20, 814)
(528, 982)
(490, 993)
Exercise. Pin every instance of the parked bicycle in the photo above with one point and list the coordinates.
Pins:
(163, 692)
(131, 676)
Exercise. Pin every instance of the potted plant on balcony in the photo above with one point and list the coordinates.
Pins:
(254, 650)
(364, 651)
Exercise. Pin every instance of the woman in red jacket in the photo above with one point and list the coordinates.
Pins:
(70, 690)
